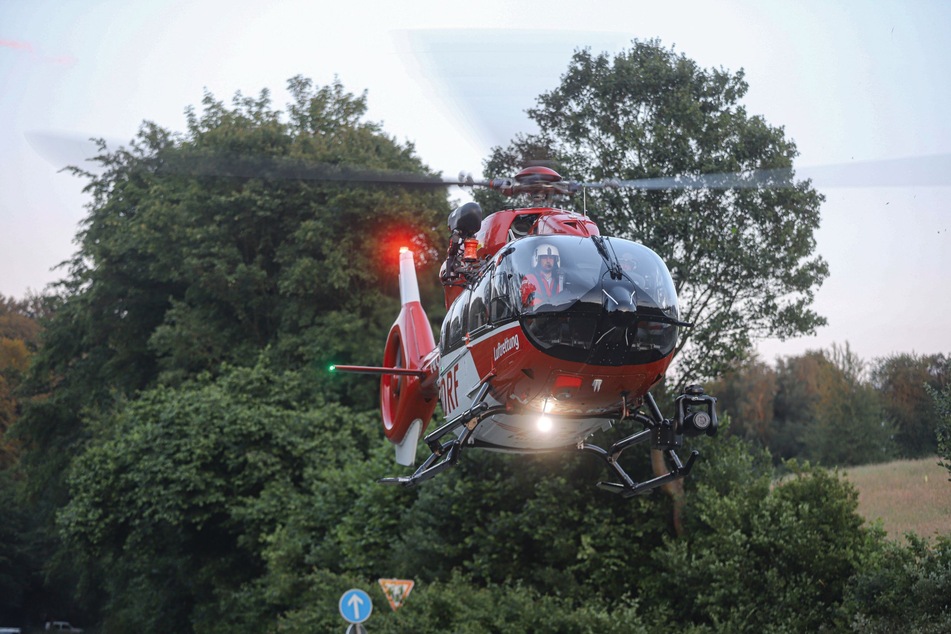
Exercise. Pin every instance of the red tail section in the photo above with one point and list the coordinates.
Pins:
(408, 399)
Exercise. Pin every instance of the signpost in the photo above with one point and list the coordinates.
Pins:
(396, 591)
(355, 606)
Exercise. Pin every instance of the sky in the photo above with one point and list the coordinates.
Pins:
(863, 87)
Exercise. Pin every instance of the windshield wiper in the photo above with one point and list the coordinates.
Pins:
(614, 267)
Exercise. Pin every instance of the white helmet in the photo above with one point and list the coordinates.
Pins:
(545, 249)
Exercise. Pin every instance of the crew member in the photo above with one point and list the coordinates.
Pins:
(546, 280)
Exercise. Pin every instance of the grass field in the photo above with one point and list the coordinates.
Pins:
(906, 495)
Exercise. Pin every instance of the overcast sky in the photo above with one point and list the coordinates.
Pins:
(862, 84)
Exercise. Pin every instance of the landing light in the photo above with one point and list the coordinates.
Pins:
(543, 422)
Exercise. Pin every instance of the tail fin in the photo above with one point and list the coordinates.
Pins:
(409, 287)
(407, 401)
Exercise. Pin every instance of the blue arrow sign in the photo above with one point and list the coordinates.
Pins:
(355, 606)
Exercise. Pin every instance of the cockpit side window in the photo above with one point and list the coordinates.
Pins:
(502, 303)
(481, 300)
(454, 325)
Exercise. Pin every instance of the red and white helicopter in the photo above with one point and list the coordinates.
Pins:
(553, 332)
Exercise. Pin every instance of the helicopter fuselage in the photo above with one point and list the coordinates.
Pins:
(560, 362)
(552, 333)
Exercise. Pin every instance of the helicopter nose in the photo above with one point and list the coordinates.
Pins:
(619, 300)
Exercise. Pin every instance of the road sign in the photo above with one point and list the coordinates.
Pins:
(355, 606)
(396, 591)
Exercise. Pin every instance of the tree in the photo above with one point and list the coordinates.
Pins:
(743, 257)
(942, 402)
(14, 358)
(797, 395)
(206, 247)
(747, 392)
(174, 500)
(848, 427)
(23, 549)
(827, 411)
(20, 319)
(19, 339)
(902, 381)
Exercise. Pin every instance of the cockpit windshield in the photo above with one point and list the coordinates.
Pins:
(593, 299)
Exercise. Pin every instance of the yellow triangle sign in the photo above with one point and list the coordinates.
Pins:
(396, 591)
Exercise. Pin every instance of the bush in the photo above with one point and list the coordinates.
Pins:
(907, 588)
(761, 556)
(462, 606)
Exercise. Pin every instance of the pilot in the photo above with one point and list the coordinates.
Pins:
(546, 280)
(628, 262)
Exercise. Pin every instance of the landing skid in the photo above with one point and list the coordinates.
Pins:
(662, 433)
(628, 487)
(445, 455)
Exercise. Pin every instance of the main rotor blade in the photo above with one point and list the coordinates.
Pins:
(63, 149)
(285, 168)
(919, 171)
(751, 180)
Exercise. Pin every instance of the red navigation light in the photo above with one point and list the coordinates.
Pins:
(404, 249)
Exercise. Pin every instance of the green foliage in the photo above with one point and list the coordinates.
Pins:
(907, 588)
(747, 392)
(19, 338)
(761, 556)
(744, 257)
(847, 427)
(942, 401)
(206, 475)
(819, 406)
(458, 605)
(499, 520)
(188, 260)
(515, 520)
(181, 488)
(336, 523)
(903, 381)
(521, 534)
(17, 557)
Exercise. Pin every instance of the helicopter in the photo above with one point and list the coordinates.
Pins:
(552, 333)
